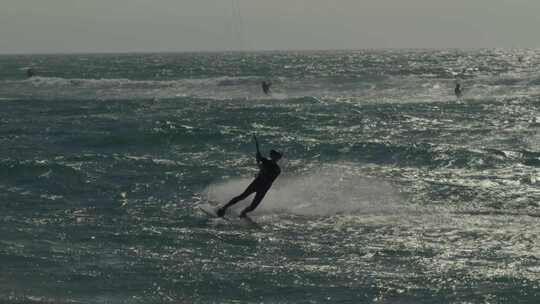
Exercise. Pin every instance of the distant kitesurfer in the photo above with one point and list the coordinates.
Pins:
(266, 87)
(458, 90)
(30, 73)
(268, 172)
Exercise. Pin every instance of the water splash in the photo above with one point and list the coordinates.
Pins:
(323, 191)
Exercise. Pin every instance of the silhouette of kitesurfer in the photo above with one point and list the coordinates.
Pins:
(268, 172)
(458, 90)
(30, 73)
(266, 87)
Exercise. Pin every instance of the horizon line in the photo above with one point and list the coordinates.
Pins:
(263, 50)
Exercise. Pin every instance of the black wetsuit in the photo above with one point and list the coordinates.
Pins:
(457, 91)
(269, 171)
(266, 87)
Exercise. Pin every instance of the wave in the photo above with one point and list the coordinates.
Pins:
(216, 81)
(388, 89)
(218, 88)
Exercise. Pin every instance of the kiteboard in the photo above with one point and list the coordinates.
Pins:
(229, 216)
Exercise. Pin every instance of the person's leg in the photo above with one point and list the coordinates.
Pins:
(249, 190)
(256, 201)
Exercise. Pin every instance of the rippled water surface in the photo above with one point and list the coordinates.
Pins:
(392, 191)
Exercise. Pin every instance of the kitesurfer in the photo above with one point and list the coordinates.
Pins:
(266, 87)
(268, 172)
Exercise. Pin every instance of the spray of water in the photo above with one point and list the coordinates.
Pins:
(324, 191)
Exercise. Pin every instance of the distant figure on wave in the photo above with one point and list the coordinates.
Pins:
(458, 90)
(266, 87)
(268, 172)
(30, 73)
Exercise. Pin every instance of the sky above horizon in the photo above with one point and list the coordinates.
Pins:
(60, 26)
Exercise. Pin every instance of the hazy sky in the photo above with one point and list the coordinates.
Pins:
(30, 26)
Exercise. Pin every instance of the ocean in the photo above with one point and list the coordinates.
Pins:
(392, 189)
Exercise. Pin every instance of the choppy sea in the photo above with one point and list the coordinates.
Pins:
(392, 189)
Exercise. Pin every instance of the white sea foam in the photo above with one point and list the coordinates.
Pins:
(394, 89)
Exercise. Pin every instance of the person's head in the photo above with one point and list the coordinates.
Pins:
(275, 155)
